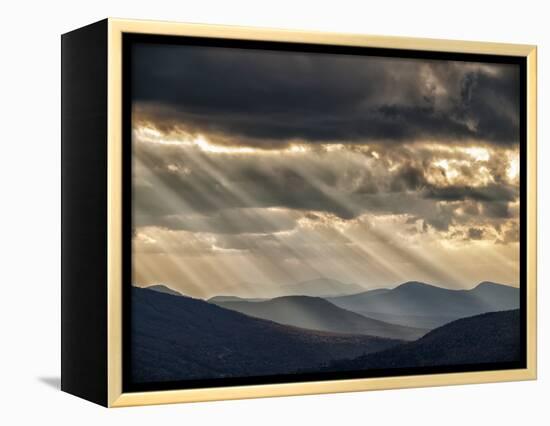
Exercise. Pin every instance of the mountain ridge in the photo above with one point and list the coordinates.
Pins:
(162, 288)
(317, 313)
(228, 298)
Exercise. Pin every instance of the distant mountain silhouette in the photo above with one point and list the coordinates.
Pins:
(422, 305)
(222, 298)
(497, 296)
(161, 288)
(318, 314)
(487, 338)
(180, 338)
(320, 287)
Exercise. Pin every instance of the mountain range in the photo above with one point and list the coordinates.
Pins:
(318, 314)
(180, 338)
(381, 312)
(175, 337)
(422, 305)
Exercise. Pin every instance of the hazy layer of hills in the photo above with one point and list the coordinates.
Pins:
(320, 287)
(416, 306)
(180, 338)
(486, 338)
(318, 314)
(421, 305)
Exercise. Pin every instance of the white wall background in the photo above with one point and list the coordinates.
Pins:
(30, 212)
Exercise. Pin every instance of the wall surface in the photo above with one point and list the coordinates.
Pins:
(30, 200)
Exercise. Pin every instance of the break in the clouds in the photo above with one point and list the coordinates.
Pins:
(256, 169)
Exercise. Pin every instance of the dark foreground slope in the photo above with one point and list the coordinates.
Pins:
(318, 314)
(179, 338)
(487, 338)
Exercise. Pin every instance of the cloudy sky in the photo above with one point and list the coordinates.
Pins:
(254, 169)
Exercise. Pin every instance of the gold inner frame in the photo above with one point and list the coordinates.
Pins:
(116, 398)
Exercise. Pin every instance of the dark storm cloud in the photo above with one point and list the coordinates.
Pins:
(267, 98)
(408, 177)
(496, 209)
(489, 193)
(475, 233)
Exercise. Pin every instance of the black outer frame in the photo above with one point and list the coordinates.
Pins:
(84, 212)
(130, 39)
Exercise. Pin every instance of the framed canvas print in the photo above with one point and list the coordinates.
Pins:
(251, 212)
